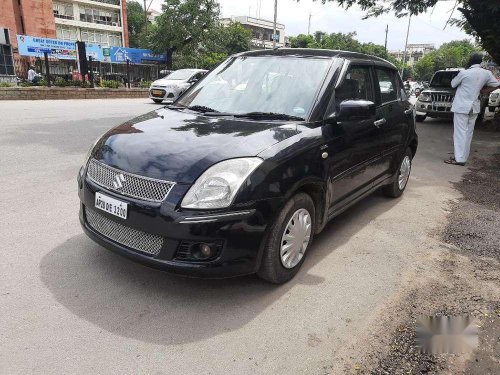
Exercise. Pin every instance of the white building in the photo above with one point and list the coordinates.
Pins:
(262, 31)
(93, 21)
(414, 53)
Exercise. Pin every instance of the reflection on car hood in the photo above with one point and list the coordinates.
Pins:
(177, 146)
(169, 82)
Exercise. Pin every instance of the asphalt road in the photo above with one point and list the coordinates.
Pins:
(69, 306)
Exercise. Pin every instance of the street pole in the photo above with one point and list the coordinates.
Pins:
(386, 32)
(309, 24)
(274, 27)
(406, 46)
(145, 13)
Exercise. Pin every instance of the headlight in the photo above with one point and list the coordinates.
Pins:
(218, 185)
(425, 97)
(494, 96)
(89, 153)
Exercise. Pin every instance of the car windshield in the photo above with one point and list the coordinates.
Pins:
(443, 79)
(261, 84)
(180, 74)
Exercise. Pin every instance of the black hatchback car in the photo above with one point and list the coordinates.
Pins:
(239, 174)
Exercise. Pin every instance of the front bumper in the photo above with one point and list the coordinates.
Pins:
(431, 110)
(163, 94)
(239, 234)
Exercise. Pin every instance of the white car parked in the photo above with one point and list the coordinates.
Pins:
(494, 103)
(172, 86)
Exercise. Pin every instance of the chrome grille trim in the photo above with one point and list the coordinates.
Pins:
(441, 98)
(135, 186)
(148, 243)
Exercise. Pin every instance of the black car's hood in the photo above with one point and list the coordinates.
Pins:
(178, 146)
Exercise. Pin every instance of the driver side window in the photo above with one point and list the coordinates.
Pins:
(357, 85)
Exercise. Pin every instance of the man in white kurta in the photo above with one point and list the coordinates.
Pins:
(467, 106)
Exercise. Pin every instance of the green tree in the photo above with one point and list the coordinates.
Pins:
(479, 17)
(183, 27)
(136, 23)
(339, 41)
(454, 54)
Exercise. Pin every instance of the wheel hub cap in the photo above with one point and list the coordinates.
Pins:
(404, 172)
(295, 238)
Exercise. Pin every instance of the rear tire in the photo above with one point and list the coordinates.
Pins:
(158, 101)
(279, 262)
(396, 188)
(420, 118)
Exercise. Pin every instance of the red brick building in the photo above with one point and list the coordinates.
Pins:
(95, 21)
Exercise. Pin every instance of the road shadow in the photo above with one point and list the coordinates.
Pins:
(134, 301)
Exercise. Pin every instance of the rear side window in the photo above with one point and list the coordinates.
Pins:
(388, 86)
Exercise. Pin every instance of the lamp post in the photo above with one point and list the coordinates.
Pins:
(406, 47)
(274, 26)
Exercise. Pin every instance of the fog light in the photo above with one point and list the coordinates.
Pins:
(206, 250)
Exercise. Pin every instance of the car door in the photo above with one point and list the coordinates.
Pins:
(394, 114)
(354, 144)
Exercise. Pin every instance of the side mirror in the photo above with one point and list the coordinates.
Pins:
(356, 110)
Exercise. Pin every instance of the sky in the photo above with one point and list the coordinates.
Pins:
(425, 28)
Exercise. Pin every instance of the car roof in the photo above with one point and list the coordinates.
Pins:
(312, 52)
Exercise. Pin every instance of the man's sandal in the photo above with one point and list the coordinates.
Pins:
(453, 161)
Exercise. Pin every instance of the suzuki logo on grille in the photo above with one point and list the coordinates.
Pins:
(118, 181)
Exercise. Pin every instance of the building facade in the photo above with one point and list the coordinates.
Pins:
(95, 21)
(414, 53)
(262, 31)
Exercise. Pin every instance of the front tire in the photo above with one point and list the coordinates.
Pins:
(398, 186)
(289, 238)
(420, 118)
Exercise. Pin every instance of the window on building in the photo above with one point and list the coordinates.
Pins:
(6, 60)
(66, 33)
(63, 10)
(100, 16)
(101, 37)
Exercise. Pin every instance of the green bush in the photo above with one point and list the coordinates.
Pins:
(145, 84)
(6, 84)
(111, 84)
(61, 82)
(25, 84)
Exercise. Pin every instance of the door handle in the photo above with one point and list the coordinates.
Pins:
(380, 122)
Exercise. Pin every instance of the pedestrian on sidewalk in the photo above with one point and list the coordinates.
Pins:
(467, 106)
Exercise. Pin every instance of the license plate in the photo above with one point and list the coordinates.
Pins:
(111, 205)
(157, 92)
(442, 104)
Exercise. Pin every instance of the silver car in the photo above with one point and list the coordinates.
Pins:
(172, 86)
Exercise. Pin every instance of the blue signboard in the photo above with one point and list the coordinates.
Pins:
(66, 50)
(35, 46)
(56, 48)
(135, 55)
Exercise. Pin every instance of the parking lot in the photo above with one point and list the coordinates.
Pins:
(68, 305)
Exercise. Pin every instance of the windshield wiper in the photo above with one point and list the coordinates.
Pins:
(202, 109)
(270, 116)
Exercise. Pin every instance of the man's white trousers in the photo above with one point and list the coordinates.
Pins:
(462, 136)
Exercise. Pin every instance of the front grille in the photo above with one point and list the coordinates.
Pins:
(148, 243)
(439, 99)
(129, 184)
